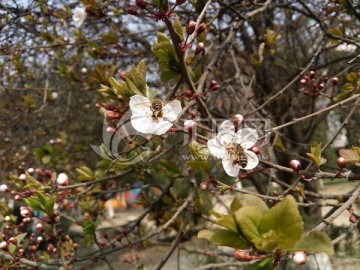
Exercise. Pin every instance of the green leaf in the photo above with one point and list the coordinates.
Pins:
(199, 165)
(90, 227)
(223, 237)
(315, 241)
(31, 182)
(178, 28)
(347, 87)
(344, 95)
(120, 88)
(85, 174)
(110, 37)
(20, 237)
(136, 80)
(251, 200)
(265, 264)
(49, 205)
(353, 77)
(336, 32)
(357, 150)
(285, 220)
(315, 154)
(278, 227)
(198, 151)
(167, 75)
(165, 52)
(12, 248)
(229, 222)
(235, 204)
(316, 149)
(216, 214)
(248, 219)
(34, 203)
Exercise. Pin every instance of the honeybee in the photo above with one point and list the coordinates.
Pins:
(156, 108)
(238, 156)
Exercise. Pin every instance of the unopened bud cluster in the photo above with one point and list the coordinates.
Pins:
(314, 87)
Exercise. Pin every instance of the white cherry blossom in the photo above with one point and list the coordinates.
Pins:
(79, 16)
(233, 148)
(153, 117)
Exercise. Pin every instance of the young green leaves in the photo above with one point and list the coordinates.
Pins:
(134, 84)
(251, 224)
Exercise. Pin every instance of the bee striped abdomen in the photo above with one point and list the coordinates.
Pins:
(156, 108)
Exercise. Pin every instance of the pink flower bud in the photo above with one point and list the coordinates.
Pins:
(188, 93)
(335, 81)
(214, 86)
(295, 165)
(312, 74)
(341, 162)
(131, 11)
(299, 257)
(191, 27)
(50, 247)
(303, 82)
(48, 173)
(3, 245)
(199, 48)
(13, 240)
(39, 172)
(112, 115)
(189, 125)
(40, 227)
(202, 27)
(204, 186)
(238, 119)
(255, 149)
(180, 2)
(25, 213)
(141, 4)
(242, 256)
(352, 219)
(320, 86)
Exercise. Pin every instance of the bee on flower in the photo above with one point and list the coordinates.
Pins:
(153, 117)
(233, 148)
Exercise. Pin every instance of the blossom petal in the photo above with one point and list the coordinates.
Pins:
(162, 126)
(252, 160)
(216, 149)
(172, 110)
(246, 137)
(230, 169)
(226, 133)
(143, 124)
(227, 127)
(140, 105)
